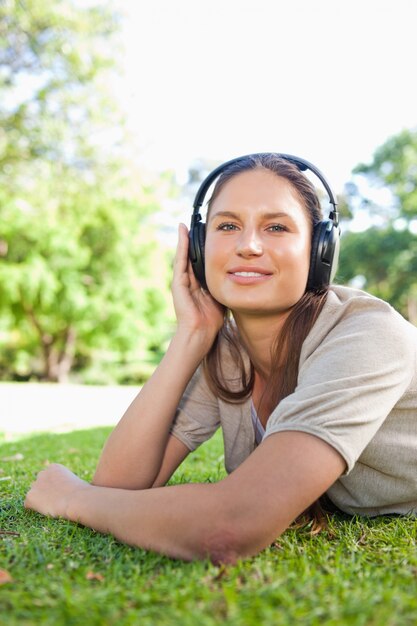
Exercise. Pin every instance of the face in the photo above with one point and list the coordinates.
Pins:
(258, 239)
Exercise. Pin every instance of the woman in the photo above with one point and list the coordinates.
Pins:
(315, 388)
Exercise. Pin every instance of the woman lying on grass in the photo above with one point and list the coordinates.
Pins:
(314, 386)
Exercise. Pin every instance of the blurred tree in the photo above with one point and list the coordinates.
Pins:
(384, 262)
(384, 259)
(394, 165)
(80, 270)
(53, 54)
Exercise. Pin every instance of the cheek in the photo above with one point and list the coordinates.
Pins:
(305, 264)
(306, 255)
(304, 261)
(295, 263)
(305, 247)
(296, 253)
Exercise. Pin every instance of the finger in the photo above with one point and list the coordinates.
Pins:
(181, 256)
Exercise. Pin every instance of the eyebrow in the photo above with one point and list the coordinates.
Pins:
(269, 215)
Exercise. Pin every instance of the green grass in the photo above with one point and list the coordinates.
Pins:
(359, 571)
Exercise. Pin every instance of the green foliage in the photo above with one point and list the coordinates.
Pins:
(82, 279)
(52, 56)
(395, 165)
(359, 572)
(81, 273)
(385, 257)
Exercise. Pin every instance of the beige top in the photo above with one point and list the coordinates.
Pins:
(356, 390)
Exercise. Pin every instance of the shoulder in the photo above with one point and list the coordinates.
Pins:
(356, 365)
(342, 301)
(351, 314)
(357, 334)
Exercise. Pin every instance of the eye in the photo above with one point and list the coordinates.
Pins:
(277, 228)
(226, 226)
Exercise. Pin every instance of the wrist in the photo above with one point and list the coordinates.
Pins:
(73, 506)
(198, 341)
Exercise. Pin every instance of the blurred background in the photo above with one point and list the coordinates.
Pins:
(111, 112)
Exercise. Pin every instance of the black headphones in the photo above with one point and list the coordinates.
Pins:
(326, 234)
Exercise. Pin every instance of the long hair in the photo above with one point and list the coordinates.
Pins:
(286, 348)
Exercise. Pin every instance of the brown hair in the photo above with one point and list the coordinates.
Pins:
(287, 346)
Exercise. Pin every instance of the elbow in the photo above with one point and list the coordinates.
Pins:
(231, 541)
(221, 546)
(237, 531)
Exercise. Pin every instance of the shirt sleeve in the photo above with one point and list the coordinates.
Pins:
(197, 416)
(351, 381)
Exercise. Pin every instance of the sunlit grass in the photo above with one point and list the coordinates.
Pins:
(359, 571)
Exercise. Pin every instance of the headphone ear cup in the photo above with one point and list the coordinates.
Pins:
(324, 255)
(197, 241)
(312, 274)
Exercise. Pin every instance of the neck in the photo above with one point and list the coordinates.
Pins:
(258, 335)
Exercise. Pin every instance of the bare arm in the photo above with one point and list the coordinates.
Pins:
(234, 518)
(137, 448)
(174, 455)
(134, 452)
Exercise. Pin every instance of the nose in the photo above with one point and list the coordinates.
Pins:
(249, 243)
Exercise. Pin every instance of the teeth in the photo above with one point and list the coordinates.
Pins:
(247, 274)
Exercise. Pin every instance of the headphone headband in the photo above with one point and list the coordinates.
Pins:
(302, 165)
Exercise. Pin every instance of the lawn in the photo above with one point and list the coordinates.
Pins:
(358, 572)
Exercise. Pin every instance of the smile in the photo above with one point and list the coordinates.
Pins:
(248, 274)
(248, 277)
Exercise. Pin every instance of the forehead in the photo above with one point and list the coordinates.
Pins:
(258, 189)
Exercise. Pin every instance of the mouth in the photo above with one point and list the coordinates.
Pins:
(248, 276)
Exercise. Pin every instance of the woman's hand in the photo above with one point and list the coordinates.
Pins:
(195, 308)
(52, 490)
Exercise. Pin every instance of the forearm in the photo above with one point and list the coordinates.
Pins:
(182, 521)
(234, 518)
(194, 521)
(133, 453)
(222, 521)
